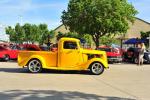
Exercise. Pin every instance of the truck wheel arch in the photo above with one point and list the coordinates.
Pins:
(36, 68)
(34, 59)
(95, 62)
(39, 59)
(101, 61)
(96, 68)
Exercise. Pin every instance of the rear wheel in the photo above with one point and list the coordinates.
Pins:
(136, 60)
(96, 68)
(6, 58)
(34, 66)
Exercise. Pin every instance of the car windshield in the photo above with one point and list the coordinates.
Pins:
(44, 48)
(105, 49)
(70, 45)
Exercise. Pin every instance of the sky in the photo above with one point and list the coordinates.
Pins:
(48, 11)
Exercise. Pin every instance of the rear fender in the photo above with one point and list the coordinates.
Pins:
(40, 58)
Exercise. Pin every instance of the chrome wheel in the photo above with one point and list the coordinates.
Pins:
(97, 68)
(6, 57)
(35, 66)
(136, 60)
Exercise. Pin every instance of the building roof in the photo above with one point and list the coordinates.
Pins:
(133, 32)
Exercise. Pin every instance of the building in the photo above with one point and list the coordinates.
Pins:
(136, 28)
(133, 32)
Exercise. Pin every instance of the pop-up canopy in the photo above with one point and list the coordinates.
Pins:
(134, 41)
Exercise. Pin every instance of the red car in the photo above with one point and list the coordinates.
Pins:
(114, 55)
(7, 53)
(30, 47)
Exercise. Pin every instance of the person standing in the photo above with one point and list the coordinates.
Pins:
(141, 54)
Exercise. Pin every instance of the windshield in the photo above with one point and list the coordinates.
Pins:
(105, 49)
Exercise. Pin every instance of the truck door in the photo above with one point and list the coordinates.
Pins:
(70, 55)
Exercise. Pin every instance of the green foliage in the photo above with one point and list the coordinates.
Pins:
(44, 32)
(29, 33)
(108, 41)
(60, 35)
(145, 35)
(86, 37)
(98, 17)
(12, 34)
(70, 34)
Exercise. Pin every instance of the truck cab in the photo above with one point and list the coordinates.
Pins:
(69, 56)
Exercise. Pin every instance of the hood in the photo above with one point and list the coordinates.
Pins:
(113, 54)
(93, 51)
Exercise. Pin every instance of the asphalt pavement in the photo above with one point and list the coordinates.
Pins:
(119, 82)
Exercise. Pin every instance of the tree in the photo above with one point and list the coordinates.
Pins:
(84, 38)
(87, 38)
(98, 17)
(109, 40)
(59, 35)
(145, 35)
(12, 34)
(29, 33)
(19, 32)
(69, 34)
(45, 33)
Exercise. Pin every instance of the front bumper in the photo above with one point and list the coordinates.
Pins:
(114, 59)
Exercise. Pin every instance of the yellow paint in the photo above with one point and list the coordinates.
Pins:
(64, 59)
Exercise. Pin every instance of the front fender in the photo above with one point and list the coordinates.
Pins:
(105, 63)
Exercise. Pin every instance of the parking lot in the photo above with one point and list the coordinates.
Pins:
(119, 82)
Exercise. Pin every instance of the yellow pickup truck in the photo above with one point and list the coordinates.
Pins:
(69, 56)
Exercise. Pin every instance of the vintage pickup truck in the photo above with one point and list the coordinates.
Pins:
(69, 56)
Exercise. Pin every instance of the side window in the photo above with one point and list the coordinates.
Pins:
(14, 47)
(1, 49)
(70, 45)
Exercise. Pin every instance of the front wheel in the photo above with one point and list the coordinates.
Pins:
(96, 68)
(136, 60)
(34, 66)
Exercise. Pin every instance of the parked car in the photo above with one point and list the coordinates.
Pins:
(7, 53)
(44, 48)
(30, 47)
(69, 56)
(114, 55)
(11, 52)
(131, 55)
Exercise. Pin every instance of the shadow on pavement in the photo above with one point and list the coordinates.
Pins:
(13, 70)
(53, 95)
(45, 71)
(10, 61)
